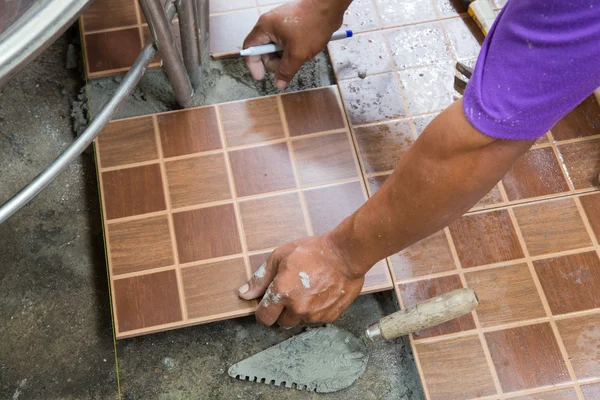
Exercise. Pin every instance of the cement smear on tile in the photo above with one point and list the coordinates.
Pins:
(324, 359)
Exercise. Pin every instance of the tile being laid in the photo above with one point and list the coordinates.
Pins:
(399, 12)
(428, 89)
(419, 45)
(228, 31)
(465, 37)
(364, 54)
(361, 16)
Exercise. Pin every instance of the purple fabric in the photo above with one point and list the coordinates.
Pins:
(539, 61)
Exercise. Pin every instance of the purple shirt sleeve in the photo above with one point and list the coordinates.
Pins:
(539, 61)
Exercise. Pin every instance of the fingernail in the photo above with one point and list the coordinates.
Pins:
(281, 84)
(244, 289)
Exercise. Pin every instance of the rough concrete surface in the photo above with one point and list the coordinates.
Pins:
(55, 321)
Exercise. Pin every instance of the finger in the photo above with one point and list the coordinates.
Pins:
(288, 319)
(256, 37)
(271, 62)
(270, 307)
(288, 68)
(257, 285)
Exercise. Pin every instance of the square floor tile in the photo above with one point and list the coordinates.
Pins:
(228, 31)
(534, 174)
(364, 54)
(325, 159)
(591, 392)
(147, 38)
(133, 191)
(197, 180)
(583, 121)
(560, 394)
(465, 37)
(251, 121)
(206, 233)
(313, 111)
(506, 294)
(449, 8)
(272, 221)
(419, 45)
(399, 12)
(581, 336)
(376, 182)
(591, 207)
(361, 16)
(126, 142)
(455, 369)
(122, 13)
(140, 245)
(552, 226)
(377, 276)
(429, 256)
(527, 357)
(428, 89)
(262, 169)
(189, 131)
(582, 160)
(112, 50)
(416, 292)
(219, 6)
(146, 301)
(485, 238)
(375, 98)
(212, 289)
(571, 283)
(257, 260)
(330, 205)
(493, 197)
(382, 146)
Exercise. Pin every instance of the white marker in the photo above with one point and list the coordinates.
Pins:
(274, 48)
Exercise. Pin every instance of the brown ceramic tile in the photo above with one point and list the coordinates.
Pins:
(591, 392)
(583, 121)
(126, 142)
(219, 6)
(146, 301)
(206, 233)
(560, 394)
(133, 191)
(140, 245)
(527, 357)
(325, 159)
(552, 226)
(382, 146)
(465, 37)
(492, 198)
(363, 54)
(591, 206)
(449, 8)
(506, 294)
(251, 121)
(398, 12)
(228, 31)
(189, 131)
(361, 16)
(105, 14)
(375, 98)
(485, 238)
(147, 35)
(330, 205)
(256, 260)
(417, 292)
(571, 283)
(428, 89)
(429, 256)
(583, 162)
(536, 173)
(211, 289)
(197, 180)
(542, 140)
(262, 169)
(419, 45)
(455, 369)
(376, 182)
(377, 276)
(313, 111)
(112, 50)
(581, 336)
(272, 221)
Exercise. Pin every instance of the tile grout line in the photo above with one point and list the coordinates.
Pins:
(586, 221)
(482, 340)
(172, 234)
(546, 305)
(288, 141)
(232, 189)
(149, 271)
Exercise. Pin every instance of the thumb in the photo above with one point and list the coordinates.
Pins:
(289, 66)
(260, 281)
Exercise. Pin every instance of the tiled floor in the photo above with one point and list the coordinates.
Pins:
(195, 200)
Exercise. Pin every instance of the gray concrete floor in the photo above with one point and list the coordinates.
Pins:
(55, 324)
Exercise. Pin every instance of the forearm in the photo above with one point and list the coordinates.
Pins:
(446, 171)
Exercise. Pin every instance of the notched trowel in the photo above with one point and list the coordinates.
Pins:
(330, 359)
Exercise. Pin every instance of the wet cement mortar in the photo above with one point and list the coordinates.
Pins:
(54, 309)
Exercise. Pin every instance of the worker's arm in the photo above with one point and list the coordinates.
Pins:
(444, 173)
(302, 27)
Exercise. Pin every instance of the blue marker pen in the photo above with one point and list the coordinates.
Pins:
(274, 48)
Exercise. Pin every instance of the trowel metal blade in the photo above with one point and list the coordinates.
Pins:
(323, 360)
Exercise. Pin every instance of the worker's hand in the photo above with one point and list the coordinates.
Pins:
(302, 27)
(303, 281)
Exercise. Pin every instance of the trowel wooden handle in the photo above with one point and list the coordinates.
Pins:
(425, 315)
